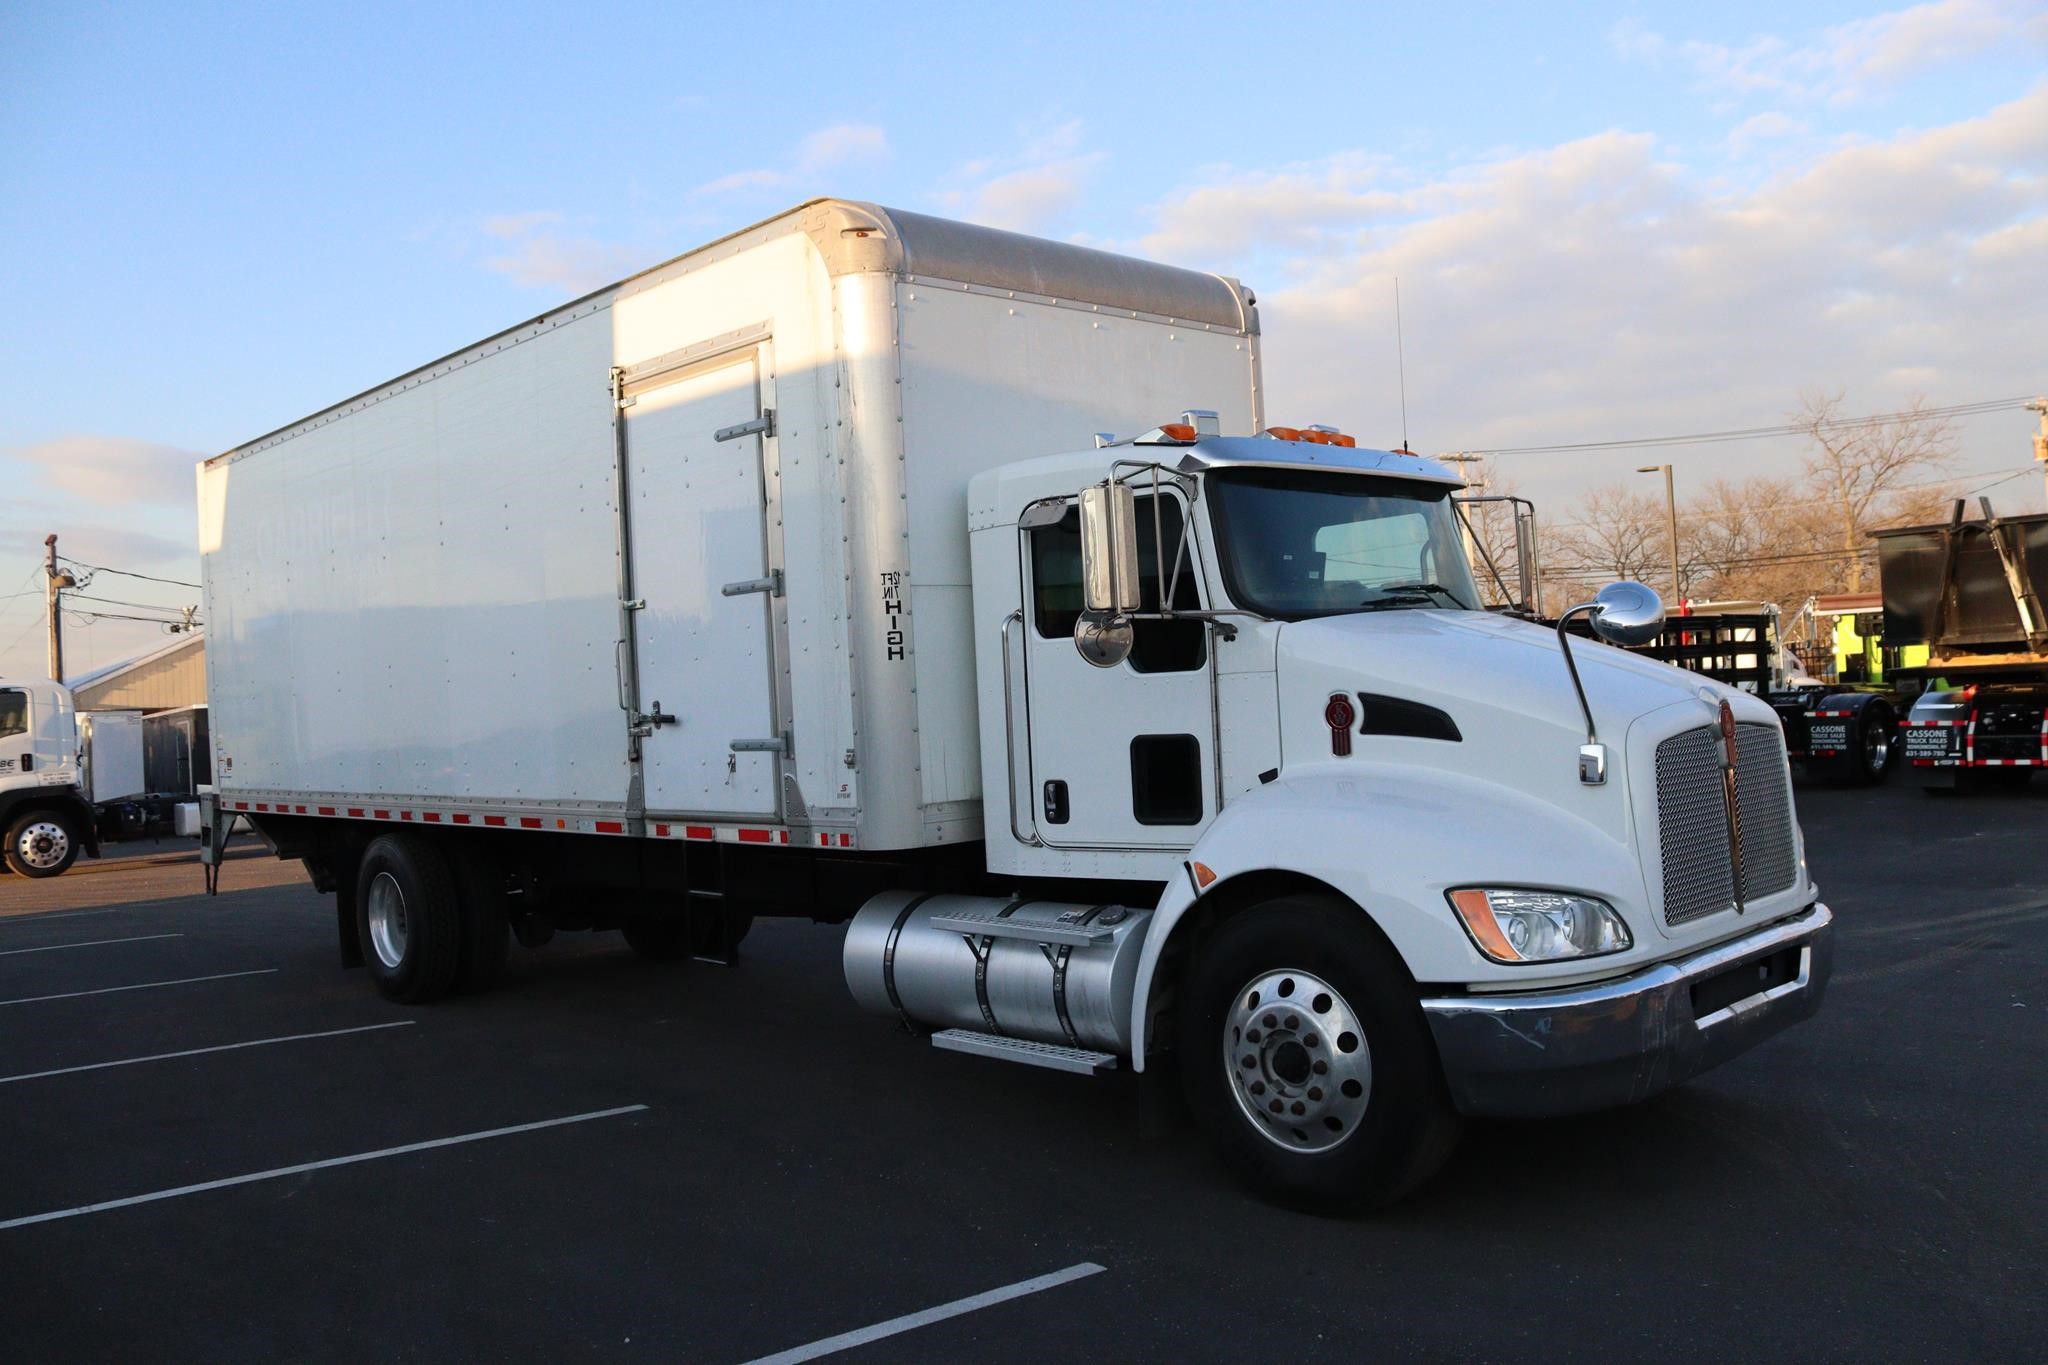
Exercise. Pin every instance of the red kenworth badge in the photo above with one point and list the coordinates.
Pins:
(1338, 715)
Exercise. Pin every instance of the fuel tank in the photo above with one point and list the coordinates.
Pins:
(1050, 971)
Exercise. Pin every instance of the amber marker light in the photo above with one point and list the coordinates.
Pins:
(1479, 922)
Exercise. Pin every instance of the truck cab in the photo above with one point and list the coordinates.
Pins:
(45, 818)
(1520, 876)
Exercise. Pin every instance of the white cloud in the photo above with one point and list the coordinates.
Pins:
(842, 144)
(115, 469)
(1595, 289)
(1849, 62)
(572, 265)
(830, 148)
(1758, 129)
(1030, 190)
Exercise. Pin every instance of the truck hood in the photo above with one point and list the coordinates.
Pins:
(1503, 684)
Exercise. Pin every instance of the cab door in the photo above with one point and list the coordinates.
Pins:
(1121, 757)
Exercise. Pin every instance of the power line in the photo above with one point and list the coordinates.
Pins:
(84, 616)
(1829, 502)
(127, 573)
(118, 602)
(1758, 433)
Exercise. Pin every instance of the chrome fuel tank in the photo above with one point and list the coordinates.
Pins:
(1050, 971)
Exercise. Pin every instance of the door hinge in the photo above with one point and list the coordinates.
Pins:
(772, 585)
(764, 425)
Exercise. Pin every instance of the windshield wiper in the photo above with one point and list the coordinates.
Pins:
(1395, 594)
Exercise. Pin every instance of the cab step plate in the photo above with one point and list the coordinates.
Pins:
(1076, 1060)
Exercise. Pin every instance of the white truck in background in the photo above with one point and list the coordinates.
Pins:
(70, 777)
(758, 584)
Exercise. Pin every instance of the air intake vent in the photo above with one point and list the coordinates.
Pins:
(1692, 822)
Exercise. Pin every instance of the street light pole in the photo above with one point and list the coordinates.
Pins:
(2040, 405)
(1671, 521)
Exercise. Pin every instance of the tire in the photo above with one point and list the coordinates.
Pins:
(486, 932)
(42, 843)
(1384, 1128)
(408, 918)
(1874, 752)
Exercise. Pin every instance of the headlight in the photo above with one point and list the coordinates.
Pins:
(1538, 926)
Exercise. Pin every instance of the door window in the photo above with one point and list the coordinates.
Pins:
(1157, 646)
(13, 712)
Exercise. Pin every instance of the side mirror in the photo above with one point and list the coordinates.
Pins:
(1109, 548)
(1627, 613)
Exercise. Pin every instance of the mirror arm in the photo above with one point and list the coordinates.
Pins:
(1592, 754)
(1485, 555)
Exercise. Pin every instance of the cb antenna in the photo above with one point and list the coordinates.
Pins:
(1401, 362)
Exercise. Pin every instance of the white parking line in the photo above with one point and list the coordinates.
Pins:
(305, 1166)
(198, 1051)
(846, 1341)
(94, 943)
(139, 986)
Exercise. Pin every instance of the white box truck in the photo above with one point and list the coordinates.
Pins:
(758, 584)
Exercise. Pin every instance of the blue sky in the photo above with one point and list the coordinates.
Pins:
(1609, 220)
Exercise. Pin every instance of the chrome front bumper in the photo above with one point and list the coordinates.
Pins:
(1616, 1042)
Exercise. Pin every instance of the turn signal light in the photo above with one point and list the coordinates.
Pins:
(1177, 431)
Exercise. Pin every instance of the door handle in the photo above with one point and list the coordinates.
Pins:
(772, 585)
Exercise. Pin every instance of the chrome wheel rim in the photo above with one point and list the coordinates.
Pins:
(44, 845)
(1877, 747)
(388, 926)
(1296, 1055)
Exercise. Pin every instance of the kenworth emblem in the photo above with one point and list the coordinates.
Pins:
(1731, 801)
(1338, 715)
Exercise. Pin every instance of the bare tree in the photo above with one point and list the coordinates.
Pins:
(1617, 534)
(1860, 467)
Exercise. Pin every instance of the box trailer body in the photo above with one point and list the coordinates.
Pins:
(730, 491)
(110, 755)
(785, 578)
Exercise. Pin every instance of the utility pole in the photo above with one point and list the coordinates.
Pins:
(1671, 518)
(55, 581)
(2040, 405)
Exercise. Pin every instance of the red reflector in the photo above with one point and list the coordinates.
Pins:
(327, 810)
(529, 822)
(496, 820)
(460, 818)
(432, 817)
(610, 827)
(355, 812)
(699, 832)
(754, 836)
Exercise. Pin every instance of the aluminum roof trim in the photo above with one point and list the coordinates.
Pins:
(972, 254)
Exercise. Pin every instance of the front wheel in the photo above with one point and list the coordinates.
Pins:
(1305, 1056)
(41, 844)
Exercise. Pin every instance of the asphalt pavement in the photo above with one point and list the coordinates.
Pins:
(219, 1145)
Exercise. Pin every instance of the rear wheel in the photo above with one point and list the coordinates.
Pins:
(408, 918)
(41, 843)
(1875, 743)
(1305, 1056)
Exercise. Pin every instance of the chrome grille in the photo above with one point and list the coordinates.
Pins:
(1692, 825)
(1763, 784)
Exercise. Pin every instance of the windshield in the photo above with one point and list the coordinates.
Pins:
(1298, 543)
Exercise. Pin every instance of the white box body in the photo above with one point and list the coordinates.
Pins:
(427, 598)
(110, 749)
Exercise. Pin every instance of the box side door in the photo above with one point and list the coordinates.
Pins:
(699, 453)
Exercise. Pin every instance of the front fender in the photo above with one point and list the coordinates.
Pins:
(1392, 839)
